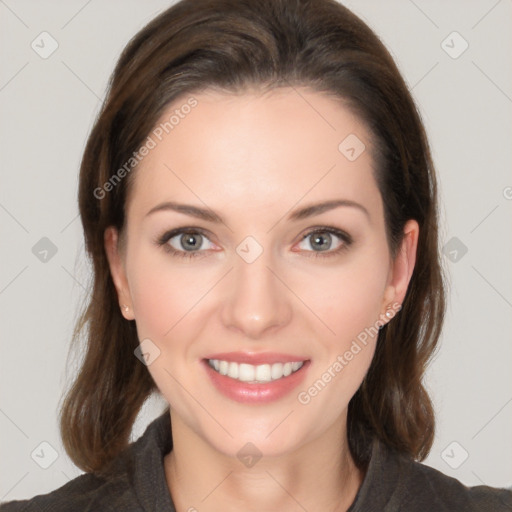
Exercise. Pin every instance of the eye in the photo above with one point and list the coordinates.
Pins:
(184, 242)
(322, 240)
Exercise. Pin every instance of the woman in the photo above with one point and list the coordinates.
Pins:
(260, 207)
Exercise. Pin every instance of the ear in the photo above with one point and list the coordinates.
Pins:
(402, 267)
(117, 270)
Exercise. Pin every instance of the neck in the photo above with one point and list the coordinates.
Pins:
(319, 476)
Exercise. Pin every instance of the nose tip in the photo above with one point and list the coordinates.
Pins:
(257, 302)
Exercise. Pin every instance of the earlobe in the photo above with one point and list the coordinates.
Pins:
(117, 271)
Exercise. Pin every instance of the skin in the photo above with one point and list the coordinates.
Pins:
(254, 158)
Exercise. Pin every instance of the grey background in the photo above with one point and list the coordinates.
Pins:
(47, 107)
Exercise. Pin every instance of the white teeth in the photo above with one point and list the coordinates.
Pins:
(256, 374)
(223, 366)
(246, 372)
(263, 373)
(233, 370)
(277, 371)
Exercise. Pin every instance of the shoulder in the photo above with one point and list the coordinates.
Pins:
(85, 492)
(135, 477)
(425, 488)
(394, 482)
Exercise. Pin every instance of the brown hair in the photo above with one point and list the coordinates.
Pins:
(232, 45)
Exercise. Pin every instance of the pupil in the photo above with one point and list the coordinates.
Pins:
(325, 237)
(189, 239)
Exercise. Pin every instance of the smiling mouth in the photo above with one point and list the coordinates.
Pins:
(255, 374)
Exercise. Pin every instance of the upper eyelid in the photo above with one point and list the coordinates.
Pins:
(171, 233)
(327, 229)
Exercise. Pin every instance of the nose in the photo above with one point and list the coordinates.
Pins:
(257, 301)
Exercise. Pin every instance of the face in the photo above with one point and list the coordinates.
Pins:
(249, 279)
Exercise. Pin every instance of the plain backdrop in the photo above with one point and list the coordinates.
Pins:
(455, 56)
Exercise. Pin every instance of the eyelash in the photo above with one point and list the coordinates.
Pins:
(162, 240)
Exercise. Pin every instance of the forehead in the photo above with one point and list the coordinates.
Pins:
(256, 148)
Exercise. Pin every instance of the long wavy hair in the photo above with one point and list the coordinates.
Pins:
(232, 45)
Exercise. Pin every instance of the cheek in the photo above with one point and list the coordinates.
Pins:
(170, 302)
(348, 299)
(349, 303)
(162, 291)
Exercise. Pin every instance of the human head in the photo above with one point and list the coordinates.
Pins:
(232, 45)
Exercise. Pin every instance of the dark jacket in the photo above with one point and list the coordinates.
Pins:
(392, 483)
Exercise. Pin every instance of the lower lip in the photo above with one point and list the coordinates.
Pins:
(256, 393)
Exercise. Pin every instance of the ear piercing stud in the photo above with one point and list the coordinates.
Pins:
(126, 308)
(389, 314)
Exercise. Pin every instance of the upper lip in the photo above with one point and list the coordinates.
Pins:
(256, 358)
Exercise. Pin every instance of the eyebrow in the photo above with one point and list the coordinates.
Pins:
(302, 213)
